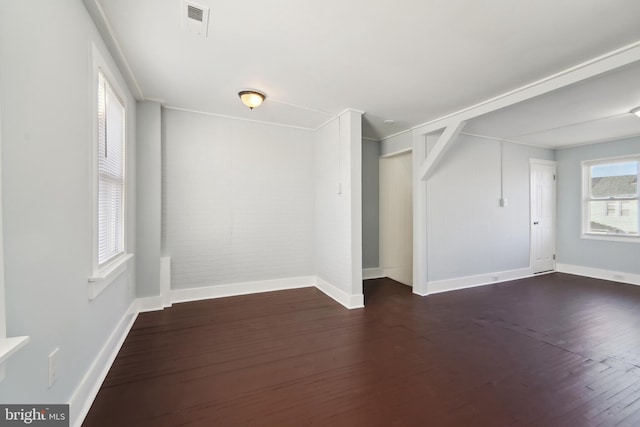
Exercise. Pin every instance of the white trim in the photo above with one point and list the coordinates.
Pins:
(165, 280)
(436, 154)
(225, 116)
(419, 198)
(301, 107)
(373, 273)
(149, 304)
(587, 197)
(597, 273)
(8, 347)
(478, 280)
(106, 30)
(102, 276)
(99, 282)
(542, 162)
(610, 237)
(88, 388)
(229, 290)
(513, 141)
(369, 139)
(397, 153)
(393, 135)
(593, 67)
(156, 100)
(349, 301)
(597, 141)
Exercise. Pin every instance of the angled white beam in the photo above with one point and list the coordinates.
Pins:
(607, 62)
(450, 133)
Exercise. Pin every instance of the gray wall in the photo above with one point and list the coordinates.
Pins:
(238, 200)
(370, 203)
(571, 248)
(148, 171)
(46, 95)
(468, 232)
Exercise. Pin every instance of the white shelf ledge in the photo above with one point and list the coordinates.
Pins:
(100, 280)
(8, 347)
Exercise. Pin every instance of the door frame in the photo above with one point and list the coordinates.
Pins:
(553, 163)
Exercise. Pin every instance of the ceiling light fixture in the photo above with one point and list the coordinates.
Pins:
(251, 98)
(636, 111)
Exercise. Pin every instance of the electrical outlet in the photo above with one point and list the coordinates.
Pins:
(504, 202)
(53, 366)
(495, 278)
(618, 277)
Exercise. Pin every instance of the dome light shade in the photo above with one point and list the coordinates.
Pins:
(636, 111)
(251, 98)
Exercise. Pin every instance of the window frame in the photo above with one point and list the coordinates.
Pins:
(102, 275)
(586, 199)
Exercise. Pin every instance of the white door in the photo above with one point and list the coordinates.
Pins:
(543, 215)
(396, 218)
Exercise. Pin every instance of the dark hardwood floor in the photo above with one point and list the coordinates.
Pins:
(554, 350)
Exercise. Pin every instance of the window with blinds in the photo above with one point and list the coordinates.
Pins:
(111, 179)
(611, 198)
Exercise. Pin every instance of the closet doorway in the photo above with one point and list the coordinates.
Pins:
(396, 217)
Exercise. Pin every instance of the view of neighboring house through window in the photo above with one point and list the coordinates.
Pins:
(111, 184)
(611, 197)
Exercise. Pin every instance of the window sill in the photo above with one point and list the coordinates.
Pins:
(611, 237)
(103, 278)
(8, 347)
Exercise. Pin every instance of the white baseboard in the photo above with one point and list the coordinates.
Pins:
(349, 301)
(597, 273)
(86, 392)
(373, 273)
(149, 304)
(197, 294)
(90, 384)
(479, 280)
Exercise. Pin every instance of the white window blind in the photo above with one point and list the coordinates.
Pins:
(111, 185)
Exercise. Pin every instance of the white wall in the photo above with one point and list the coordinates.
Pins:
(148, 221)
(370, 204)
(238, 201)
(468, 232)
(571, 248)
(46, 98)
(338, 208)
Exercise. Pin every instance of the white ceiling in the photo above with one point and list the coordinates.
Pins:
(410, 61)
(594, 110)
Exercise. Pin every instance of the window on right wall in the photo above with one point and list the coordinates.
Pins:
(611, 199)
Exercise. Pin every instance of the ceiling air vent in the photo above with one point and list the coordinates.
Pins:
(195, 18)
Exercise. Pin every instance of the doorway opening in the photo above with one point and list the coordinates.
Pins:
(396, 217)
